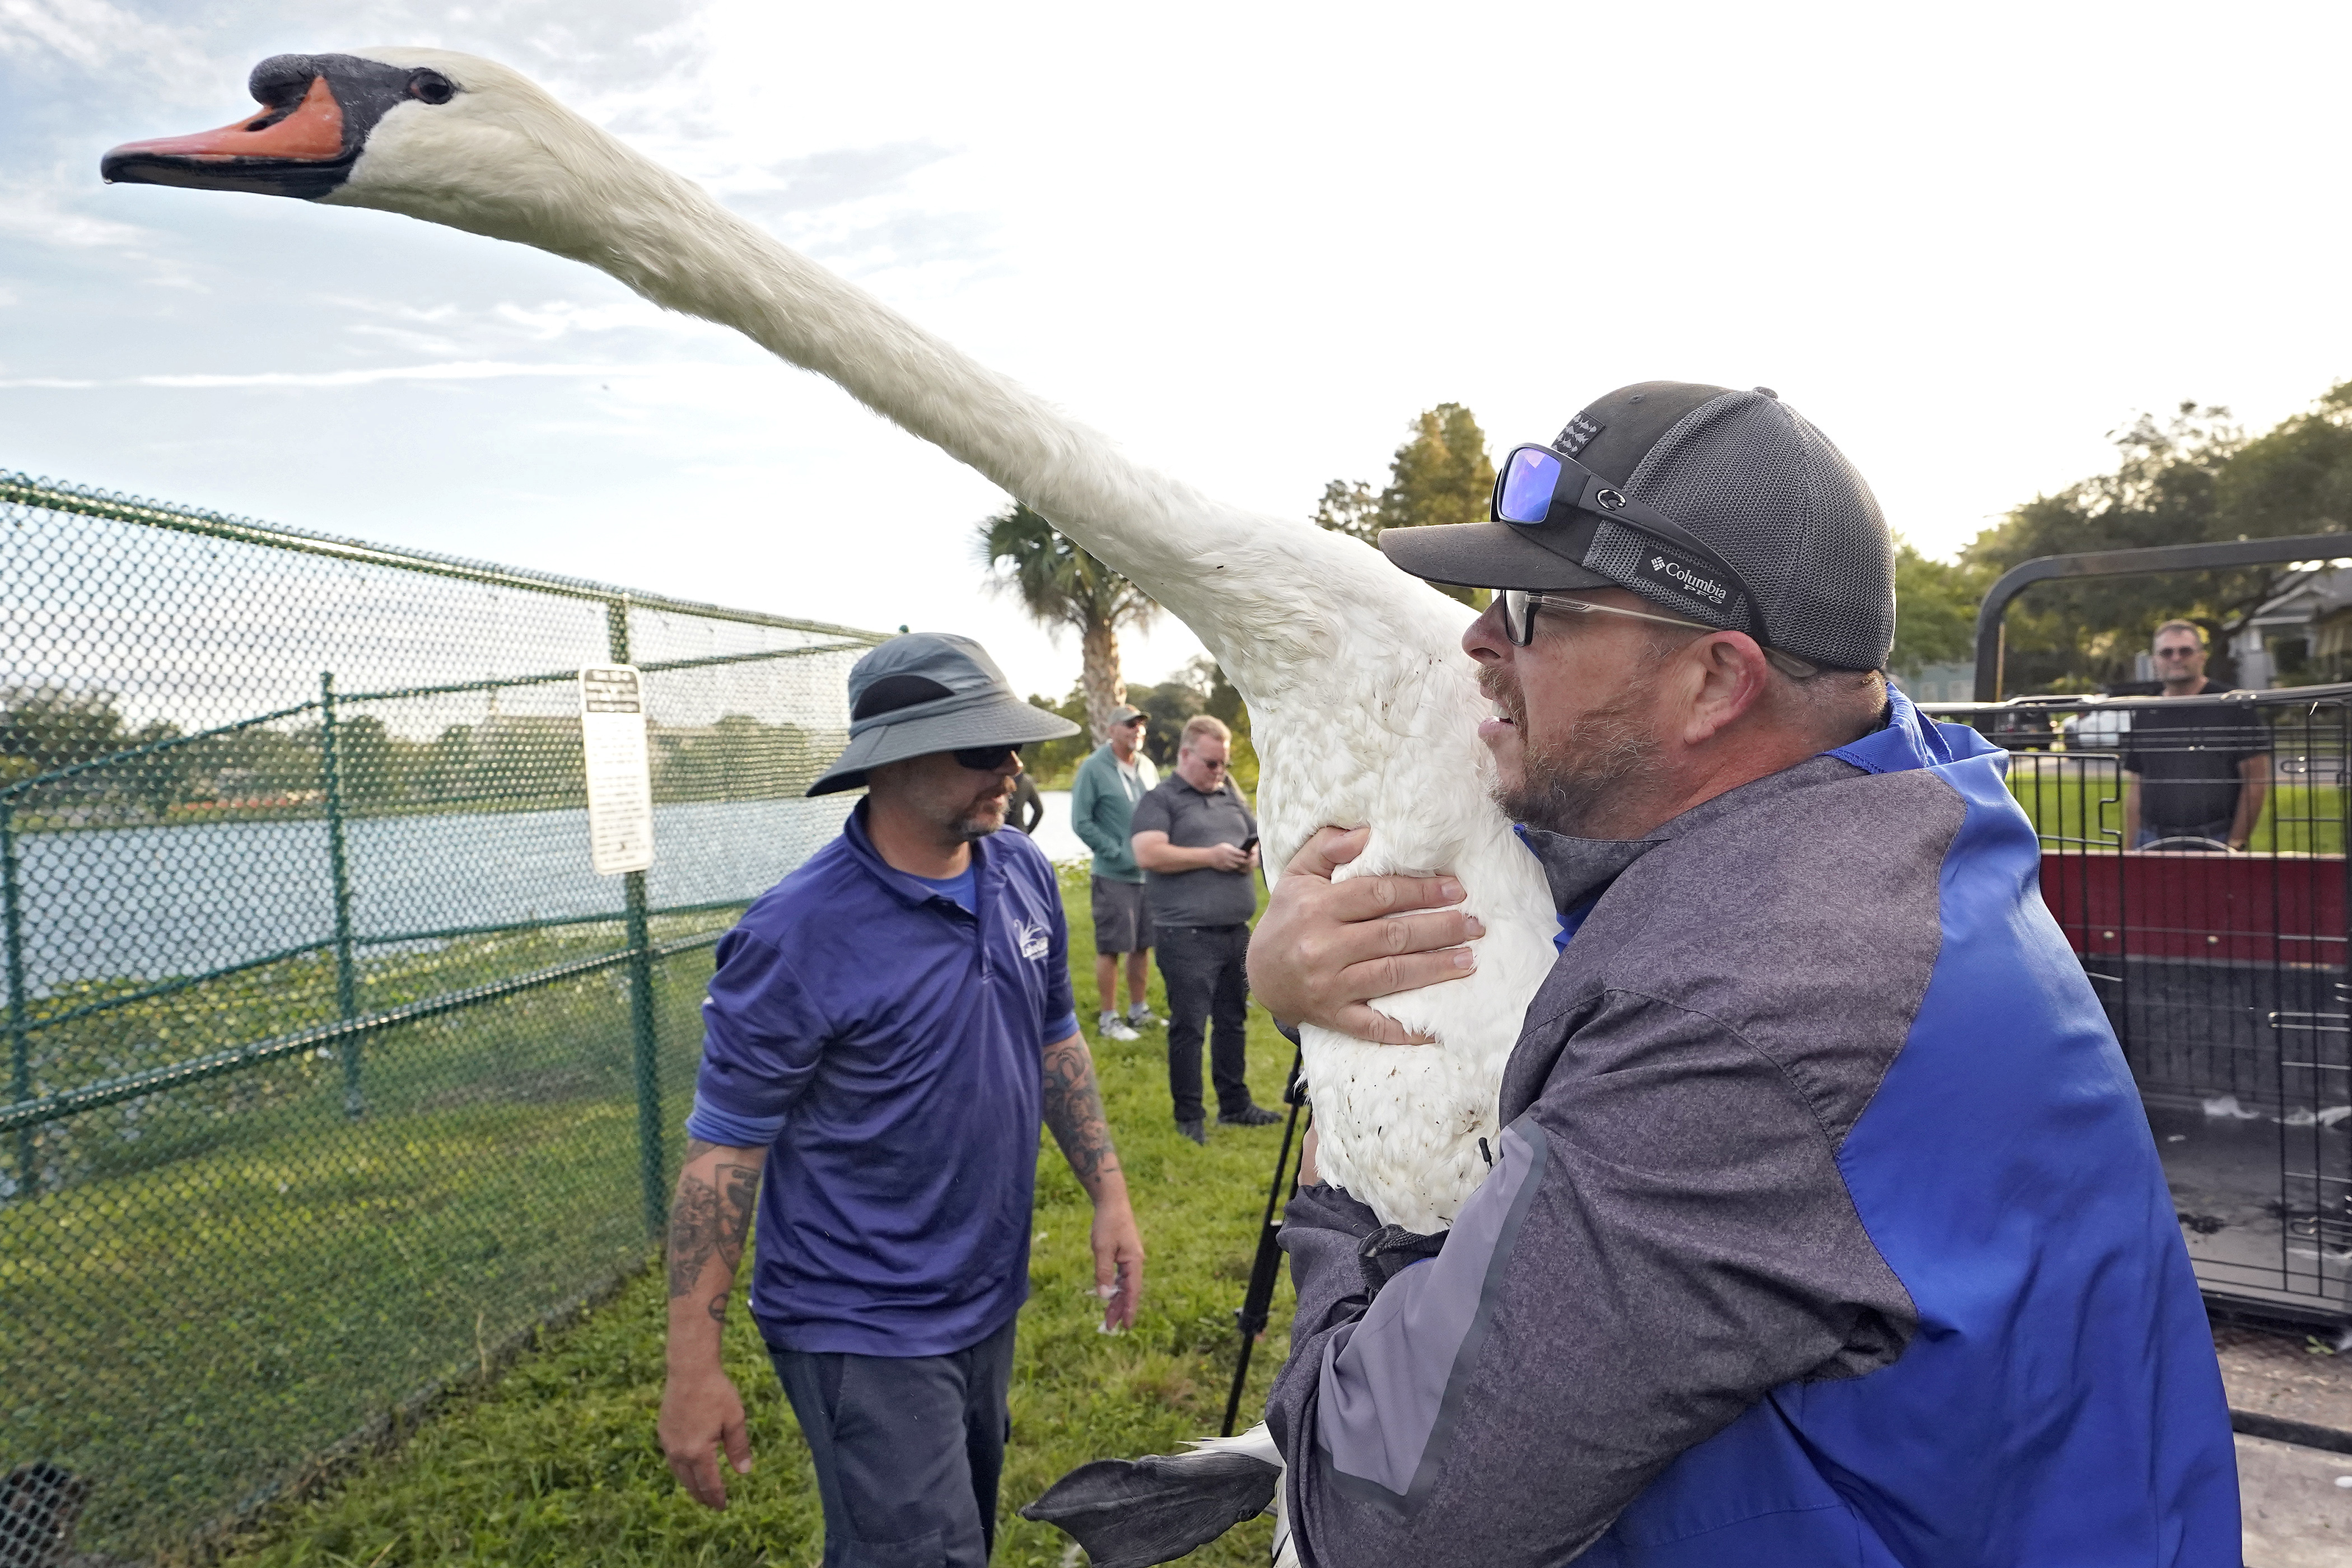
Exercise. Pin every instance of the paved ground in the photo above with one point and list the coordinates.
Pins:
(2296, 1513)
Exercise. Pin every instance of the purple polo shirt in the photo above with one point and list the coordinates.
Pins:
(885, 1043)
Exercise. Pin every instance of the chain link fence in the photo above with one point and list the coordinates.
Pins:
(2193, 852)
(332, 1066)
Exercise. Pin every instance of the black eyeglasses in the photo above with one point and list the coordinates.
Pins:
(1519, 607)
(986, 759)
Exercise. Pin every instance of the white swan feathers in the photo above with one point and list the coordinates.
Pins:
(1363, 707)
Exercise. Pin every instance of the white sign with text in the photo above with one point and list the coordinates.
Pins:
(620, 775)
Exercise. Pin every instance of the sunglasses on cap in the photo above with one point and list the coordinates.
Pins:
(985, 758)
(1537, 485)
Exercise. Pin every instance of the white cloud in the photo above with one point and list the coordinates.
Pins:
(27, 213)
(405, 339)
(459, 370)
(91, 34)
(560, 318)
(827, 179)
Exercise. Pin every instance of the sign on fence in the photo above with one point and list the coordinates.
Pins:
(620, 775)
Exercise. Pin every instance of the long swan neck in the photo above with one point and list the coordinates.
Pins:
(700, 259)
(1260, 592)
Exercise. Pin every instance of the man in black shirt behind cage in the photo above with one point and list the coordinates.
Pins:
(2195, 772)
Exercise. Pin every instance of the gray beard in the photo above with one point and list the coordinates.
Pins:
(1571, 791)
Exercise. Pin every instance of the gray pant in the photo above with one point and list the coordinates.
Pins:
(908, 1450)
(1204, 969)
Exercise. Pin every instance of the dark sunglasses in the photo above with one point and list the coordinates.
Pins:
(986, 759)
(1538, 486)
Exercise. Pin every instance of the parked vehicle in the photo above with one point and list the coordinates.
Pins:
(2021, 729)
(2100, 730)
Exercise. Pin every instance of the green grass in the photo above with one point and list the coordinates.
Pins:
(211, 1286)
(2296, 819)
(556, 1461)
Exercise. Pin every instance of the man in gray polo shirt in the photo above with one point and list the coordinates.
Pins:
(1197, 842)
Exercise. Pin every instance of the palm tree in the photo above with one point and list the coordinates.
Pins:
(1062, 586)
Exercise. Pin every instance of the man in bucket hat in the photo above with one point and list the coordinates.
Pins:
(892, 1021)
(1825, 1224)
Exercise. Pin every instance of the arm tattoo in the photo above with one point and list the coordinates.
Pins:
(709, 1220)
(1074, 1111)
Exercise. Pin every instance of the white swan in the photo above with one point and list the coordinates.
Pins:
(1363, 707)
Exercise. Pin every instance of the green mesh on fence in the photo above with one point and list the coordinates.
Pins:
(332, 1066)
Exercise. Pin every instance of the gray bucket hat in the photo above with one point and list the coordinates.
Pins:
(925, 692)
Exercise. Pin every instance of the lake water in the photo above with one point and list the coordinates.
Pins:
(148, 903)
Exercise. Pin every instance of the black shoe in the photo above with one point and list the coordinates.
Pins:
(1248, 1116)
(1195, 1130)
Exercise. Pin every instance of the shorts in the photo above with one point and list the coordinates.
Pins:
(1122, 921)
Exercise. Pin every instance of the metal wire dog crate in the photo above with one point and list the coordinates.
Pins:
(2221, 967)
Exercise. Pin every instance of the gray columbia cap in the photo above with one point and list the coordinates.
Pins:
(925, 692)
(1741, 472)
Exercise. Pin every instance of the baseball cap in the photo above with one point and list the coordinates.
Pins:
(1120, 715)
(1741, 472)
(925, 692)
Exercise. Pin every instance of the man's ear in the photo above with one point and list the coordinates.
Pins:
(1728, 676)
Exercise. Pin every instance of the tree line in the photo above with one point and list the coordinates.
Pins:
(2193, 476)
(502, 760)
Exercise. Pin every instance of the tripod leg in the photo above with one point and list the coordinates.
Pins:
(1258, 1301)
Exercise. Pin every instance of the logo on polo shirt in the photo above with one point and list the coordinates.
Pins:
(1034, 938)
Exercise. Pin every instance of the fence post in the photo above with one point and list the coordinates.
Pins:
(20, 1051)
(347, 1000)
(650, 1161)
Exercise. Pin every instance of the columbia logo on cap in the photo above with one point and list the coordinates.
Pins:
(1685, 579)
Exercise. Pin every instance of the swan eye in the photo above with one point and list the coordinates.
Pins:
(431, 87)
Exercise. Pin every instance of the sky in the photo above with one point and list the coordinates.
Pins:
(1251, 242)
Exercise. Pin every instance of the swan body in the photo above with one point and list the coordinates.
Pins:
(1363, 707)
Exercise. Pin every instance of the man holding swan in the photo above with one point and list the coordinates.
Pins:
(1826, 1227)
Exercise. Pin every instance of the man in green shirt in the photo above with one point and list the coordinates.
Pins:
(1102, 800)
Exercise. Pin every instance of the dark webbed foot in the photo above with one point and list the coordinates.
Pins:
(1133, 1513)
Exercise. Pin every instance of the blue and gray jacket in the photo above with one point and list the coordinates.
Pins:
(1826, 1228)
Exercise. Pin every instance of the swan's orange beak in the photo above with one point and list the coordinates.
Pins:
(313, 131)
(255, 154)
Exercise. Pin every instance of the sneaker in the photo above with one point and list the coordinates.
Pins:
(1197, 1131)
(1110, 1027)
(1248, 1116)
(1139, 1016)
